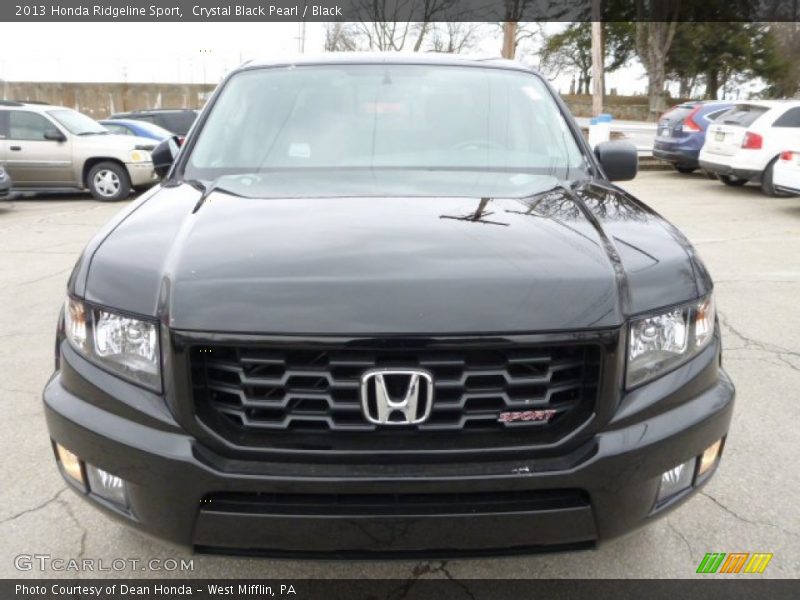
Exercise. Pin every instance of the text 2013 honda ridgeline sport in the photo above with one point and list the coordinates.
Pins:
(383, 305)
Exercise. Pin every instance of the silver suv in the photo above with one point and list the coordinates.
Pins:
(47, 148)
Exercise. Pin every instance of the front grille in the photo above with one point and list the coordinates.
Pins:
(297, 396)
(392, 504)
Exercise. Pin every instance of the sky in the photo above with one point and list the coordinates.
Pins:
(184, 52)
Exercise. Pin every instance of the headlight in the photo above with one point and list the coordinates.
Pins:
(75, 326)
(2, 173)
(137, 156)
(661, 342)
(122, 344)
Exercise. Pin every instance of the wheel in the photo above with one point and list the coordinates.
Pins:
(109, 181)
(767, 186)
(732, 181)
(683, 169)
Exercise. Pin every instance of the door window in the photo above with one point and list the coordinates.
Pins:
(791, 118)
(27, 126)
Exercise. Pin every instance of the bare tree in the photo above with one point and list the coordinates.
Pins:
(453, 37)
(656, 23)
(514, 31)
(341, 37)
(388, 35)
(394, 25)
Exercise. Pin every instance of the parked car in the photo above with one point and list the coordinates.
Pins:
(384, 304)
(682, 131)
(176, 120)
(136, 128)
(786, 173)
(5, 184)
(46, 148)
(744, 143)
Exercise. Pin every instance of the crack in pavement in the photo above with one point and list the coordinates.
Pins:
(749, 238)
(45, 249)
(17, 391)
(23, 334)
(443, 568)
(421, 569)
(683, 537)
(403, 590)
(45, 277)
(58, 499)
(758, 281)
(779, 352)
(78, 524)
(745, 520)
(54, 498)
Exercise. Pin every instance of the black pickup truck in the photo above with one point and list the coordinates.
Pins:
(381, 306)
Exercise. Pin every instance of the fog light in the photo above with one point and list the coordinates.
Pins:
(676, 480)
(709, 457)
(70, 464)
(107, 486)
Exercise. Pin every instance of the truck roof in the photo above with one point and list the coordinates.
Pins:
(401, 58)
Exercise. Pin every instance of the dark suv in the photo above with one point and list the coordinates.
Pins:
(176, 120)
(385, 305)
(682, 133)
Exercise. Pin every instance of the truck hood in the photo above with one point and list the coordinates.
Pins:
(113, 143)
(387, 265)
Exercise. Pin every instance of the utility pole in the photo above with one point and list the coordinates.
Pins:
(301, 39)
(597, 59)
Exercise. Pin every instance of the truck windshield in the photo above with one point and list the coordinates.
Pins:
(78, 123)
(385, 130)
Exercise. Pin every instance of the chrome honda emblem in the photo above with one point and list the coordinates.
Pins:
(396, 396)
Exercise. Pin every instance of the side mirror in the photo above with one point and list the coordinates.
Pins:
(619, 160)
(54, 135)
(164, 155)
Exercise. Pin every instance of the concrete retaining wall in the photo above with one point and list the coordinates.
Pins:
(626, 108)
(99, 100)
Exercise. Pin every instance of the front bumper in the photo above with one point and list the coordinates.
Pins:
(141, 174)
(184, 492)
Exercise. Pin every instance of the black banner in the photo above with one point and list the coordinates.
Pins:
(399, 10)
(446, 588)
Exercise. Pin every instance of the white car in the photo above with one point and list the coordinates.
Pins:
(786, 173)
(744, 143)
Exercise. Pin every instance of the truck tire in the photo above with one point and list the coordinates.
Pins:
(767, 185)
(109, 181)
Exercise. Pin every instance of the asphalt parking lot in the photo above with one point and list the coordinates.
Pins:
(751, 245)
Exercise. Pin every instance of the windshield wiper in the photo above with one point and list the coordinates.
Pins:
(206, 189)
(94, 133)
